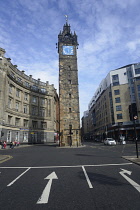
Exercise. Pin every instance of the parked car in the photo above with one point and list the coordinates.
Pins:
(109, 141)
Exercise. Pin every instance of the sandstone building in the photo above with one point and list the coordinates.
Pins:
(28, 107)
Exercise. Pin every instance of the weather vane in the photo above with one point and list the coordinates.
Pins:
(66, 16)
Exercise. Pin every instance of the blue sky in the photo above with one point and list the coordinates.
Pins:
(108, 35)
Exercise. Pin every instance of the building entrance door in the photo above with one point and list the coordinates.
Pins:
(69, 140)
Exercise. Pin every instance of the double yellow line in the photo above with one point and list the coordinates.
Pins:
(6, 157)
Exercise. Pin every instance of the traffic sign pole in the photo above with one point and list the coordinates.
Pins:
(136, 142)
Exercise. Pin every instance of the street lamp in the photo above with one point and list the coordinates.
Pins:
(136, 139)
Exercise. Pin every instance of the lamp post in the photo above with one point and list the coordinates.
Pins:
(136, 139)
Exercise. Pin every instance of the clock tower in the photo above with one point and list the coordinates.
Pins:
(68, 88)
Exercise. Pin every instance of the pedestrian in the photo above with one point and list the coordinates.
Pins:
(11, 145)
(18, 143)
(4, 144)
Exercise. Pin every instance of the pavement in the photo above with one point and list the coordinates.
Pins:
(132, 159)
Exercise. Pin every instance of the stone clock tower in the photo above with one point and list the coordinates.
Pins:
(68, 88)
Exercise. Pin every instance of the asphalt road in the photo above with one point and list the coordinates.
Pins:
(86, 178)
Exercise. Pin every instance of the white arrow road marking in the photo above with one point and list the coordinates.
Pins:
(134, 184)
(17, 178)
(87, 178)
(46, 192)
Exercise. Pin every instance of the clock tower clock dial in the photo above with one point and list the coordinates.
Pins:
(68, 50)
(68, 88)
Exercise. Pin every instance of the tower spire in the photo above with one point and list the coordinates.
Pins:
(66, 16)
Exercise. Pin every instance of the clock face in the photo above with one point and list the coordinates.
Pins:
(68, 50)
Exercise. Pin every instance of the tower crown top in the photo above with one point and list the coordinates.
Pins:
(66, 36)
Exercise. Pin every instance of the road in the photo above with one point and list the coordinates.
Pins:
(91, 177)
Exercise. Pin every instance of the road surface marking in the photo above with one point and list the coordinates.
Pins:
(76, 166)
(134, 184)
(87, 178)
(18, 177)
(46, 192)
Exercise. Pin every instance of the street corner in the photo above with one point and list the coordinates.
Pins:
(4, 158)
(132, 159)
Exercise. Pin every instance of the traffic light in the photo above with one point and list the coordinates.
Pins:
(132, 111)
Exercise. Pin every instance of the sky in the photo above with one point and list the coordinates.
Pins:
(108, 35)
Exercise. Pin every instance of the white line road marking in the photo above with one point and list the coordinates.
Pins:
(134, 184)
(76, 166)
(18, 178)
(43, 167)
(46, 192)
(87, 178)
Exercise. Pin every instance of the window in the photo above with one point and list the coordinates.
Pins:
(117, 92)
(137, 78)
(12, 74)
(34, 110)
(119, 116)
(137, 71)
(26, 96)
(132, 89)
(43, 125)
(17, 93)
(10, 88)
(69, 110)
(70, 127)
(139, 95)
(42, 101)
(8, 136)
(130, 73)
(25, 109)
(19, 79)
(117, 100)
(34, 99)
(115, 77)
(43, 90)
(9, 102)
(34, 87)
(69, 81)
(118, 108)
(49, 107)
(70, 95)
(17, 106)
(17, 136)
(17, 121)
(42, 112)
(115, 83)
(27, 84)
(9, 119)
(25, 123)
(34, 124)
(25, 137)
(138, 87)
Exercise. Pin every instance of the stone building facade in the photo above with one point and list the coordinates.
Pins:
(68, 88)
(28, 107)
(115, 104)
